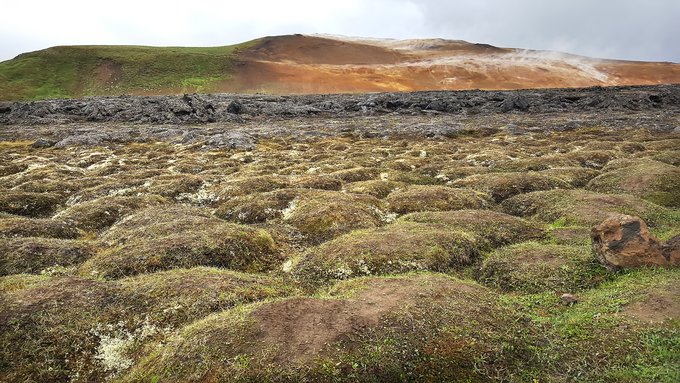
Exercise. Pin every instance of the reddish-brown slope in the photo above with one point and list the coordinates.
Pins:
(313, 64)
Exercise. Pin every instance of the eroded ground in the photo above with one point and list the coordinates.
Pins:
(360, 248)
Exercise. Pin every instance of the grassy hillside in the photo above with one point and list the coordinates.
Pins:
(75, 71)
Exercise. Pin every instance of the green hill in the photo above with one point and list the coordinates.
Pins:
(76, 71)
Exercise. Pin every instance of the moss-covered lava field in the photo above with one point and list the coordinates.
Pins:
(369, 239)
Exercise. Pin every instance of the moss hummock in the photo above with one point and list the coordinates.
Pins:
(161, 238)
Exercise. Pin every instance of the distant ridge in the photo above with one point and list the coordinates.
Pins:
(303, 64)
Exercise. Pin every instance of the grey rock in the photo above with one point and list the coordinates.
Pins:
(232, 140)
(515, 102)
(42, 143)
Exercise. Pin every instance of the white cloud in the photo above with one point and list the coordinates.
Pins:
(632, 29)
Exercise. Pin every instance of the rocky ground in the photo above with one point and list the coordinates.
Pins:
(439, 236)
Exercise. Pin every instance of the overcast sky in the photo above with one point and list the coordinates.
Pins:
(625, 29)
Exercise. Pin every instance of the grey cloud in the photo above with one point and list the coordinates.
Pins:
(625, 29)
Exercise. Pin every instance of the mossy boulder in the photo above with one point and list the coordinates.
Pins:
(57, 329)
(37, 227)
(393, 249)
(583, 208)
(161, 238)
(419, 327)
(501, 186)
(491, 229)
(259, 207)
(435, 198)
(33, 254)
(322, 215)
(654, 181)
(537, 267)
(30, 204)
(101, 213)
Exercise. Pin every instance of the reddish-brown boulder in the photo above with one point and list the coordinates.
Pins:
(624, 241)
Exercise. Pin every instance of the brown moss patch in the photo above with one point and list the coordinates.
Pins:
(37, 227)
(33, 254)
(30, 204)
(657, 305)
(378, 327)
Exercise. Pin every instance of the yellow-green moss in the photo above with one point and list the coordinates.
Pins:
(434, 198)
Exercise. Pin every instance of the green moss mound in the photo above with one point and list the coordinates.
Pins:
(491, 229)
(30, 204)
(536, 163)
(322, 215)
(419, 328)
(67, 328)
(161, 238)
(501, 186)
(173, 185)
(356, 174)
(376, 188)
(259, 207)
(393, 249)
(650, 180)
(576, 177)
(37, 227)
(101, 213)
(33, 254)
(671, 157)
(594, 159)
(434, 198)
(583, 208)
(253, 184)
(322, 182)
(534, 268)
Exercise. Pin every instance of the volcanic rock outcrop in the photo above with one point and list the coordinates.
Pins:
(624, 241)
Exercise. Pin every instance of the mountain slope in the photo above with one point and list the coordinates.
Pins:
(311, 64)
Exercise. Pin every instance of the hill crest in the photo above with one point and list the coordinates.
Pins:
(302, 64)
